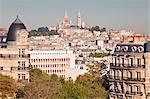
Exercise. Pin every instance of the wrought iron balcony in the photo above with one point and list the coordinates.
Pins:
(20, 68)
(126, 66)
(15, 69)
(135, 66)
(115, 66)
(134, 93)
(113, 91)
(23, 80)
(116, 78)
(14, 56)
(134, 79)
(126, 79)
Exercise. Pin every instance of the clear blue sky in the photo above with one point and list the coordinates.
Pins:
(116, 14)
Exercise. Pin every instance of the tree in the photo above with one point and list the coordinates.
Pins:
(94, 70)
(8, 86)
(42, 86)
(91, 87)
(69, 90)
(43, 29)
(33, 33)
(98, 54)
(103, 30)
(96, 28)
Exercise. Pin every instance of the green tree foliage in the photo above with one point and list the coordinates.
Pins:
(97, 28)
(44, 86)
(8, 86)
(95, 71)
(98, 54)
(42, 31)
(91, 87)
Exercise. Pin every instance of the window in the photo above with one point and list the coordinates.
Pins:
(130, 88)
(138, 75)
(23, 76)
(115, 61)
(144, 59)
(23, 65)
(19, 52)
(81, 67)
(122, 89)
(137, 89)
(114, 73)
(18, 76)
(1, 68)
(131, 61)
(118, 60)
(130, 74)
(122, 61)
(121, 97)
(19, 65)
(23, 51)
(11, 68)
(129, 97)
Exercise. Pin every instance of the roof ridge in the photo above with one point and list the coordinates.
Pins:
(17, 20)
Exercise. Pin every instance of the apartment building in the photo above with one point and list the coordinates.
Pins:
(53, 61)
(14, 58)
(129, 73)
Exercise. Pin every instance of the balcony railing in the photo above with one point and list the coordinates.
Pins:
(16, 69)
(119, 78)
(127, 92)
(116, 91)
(126, 66)
(134, 93)
(134, 79)
(23, 80)
(14, 56)
(19, 68)
(134, 66)
(112, 78)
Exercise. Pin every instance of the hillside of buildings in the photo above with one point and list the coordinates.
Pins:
(73, 61)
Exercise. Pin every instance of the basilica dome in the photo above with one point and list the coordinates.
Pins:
(15, 26)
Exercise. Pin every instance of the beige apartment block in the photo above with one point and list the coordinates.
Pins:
(14, 57)
(129, 73)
